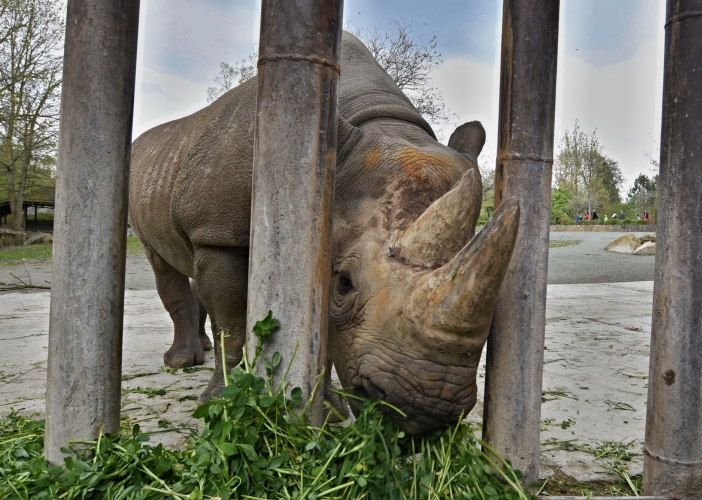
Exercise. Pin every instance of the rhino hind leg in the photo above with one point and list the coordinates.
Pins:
(202, 319)
(221, 278)
(174, 289)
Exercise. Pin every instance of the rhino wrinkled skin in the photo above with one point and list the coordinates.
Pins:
(413, 292)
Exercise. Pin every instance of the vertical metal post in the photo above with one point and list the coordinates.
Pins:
(293, 183)
(673, 450)
(511, 420)
(87, 297)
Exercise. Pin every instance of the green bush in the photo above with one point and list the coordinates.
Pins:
(559, 217)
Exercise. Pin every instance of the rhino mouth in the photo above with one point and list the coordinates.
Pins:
(418, 416)
(370, 390)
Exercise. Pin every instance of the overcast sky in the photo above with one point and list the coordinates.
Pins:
(610, 62)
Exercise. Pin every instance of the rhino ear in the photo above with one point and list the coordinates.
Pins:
(347, 138)
(469, 139)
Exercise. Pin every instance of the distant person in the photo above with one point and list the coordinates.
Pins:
(645, 215)
(595, 216)
(587, 215)
(638, 217)
(622, 216)
(614, 215)
(605, 218)
(578, 218)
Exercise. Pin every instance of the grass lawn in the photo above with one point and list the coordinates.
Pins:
(563, 243)
(12, 256)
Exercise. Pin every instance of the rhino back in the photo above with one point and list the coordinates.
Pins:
(366, 91)
(212, 196)
(191, 179)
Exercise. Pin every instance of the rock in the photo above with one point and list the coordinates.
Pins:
(626, 244)
(648, 237)
(10, 238)
(648, 248)
(38, 239)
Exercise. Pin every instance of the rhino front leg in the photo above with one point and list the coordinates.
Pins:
(174, 289)
(202, 319)
(221, 278)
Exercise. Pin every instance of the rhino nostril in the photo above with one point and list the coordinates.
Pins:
(373, 390)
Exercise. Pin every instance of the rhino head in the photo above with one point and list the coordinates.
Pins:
(414, 289)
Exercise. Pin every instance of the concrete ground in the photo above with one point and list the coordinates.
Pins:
(595, 372)
(588, 262)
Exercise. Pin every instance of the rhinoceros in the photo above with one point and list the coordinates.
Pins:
(413, 291)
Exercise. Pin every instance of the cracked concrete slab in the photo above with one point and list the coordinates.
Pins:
(594, 390)
(152, 393)
(595, 378)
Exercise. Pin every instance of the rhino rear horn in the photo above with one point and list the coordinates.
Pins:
(459, 298)
(445, 227)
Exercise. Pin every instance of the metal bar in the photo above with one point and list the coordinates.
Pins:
(87, 297)
(511, 419)
(293, 184)
(673, 449)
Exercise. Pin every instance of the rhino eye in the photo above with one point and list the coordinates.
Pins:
(345, 284)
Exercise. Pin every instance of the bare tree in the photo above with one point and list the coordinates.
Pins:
(408, 61)
(31, 42)
(230, 76)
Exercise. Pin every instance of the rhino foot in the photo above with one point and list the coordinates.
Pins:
(205, 342)
(184, 357)
(214, 388)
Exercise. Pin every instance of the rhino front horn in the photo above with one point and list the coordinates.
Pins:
(458, 299)
(445, 227)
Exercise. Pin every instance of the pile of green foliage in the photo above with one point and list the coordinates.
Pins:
(256, 443)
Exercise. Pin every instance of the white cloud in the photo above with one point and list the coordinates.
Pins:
(181, 44)
(163, 97)
(470, 90)
(622, 101)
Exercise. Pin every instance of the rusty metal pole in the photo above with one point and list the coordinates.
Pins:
(511, 419)
(293, 184)
(673, 450)
(87, 297)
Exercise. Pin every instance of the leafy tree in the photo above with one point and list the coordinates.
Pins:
(487, 174)
(584, 172)
(408, 61)
(31, 43)
(643, 195)
(560, 200)
(612, 179)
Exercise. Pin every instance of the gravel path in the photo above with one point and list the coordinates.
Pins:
(587, 262)
(139, 274)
